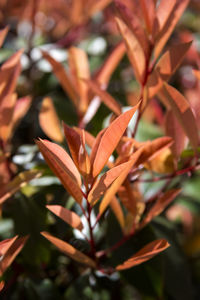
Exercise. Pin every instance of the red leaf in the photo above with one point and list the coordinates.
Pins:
(62, 165)
(146, 253)
(110, 139)
(69, 250)
(66, 215)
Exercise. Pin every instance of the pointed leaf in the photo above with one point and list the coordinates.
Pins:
(62, 165)
(69, 250)
(11, 253)
(149, 10)
(171, 22)
(19, 181)
(159, 206)
(102, 184)
(49, 121)
(134, 50)
(105, 97)
(146, 253)
(183, 112)
(117, 210)
(66, 215)
(164, 10)
(21, 107)
(63, 78)
(111, 138)
(3, 33)
(166, 66)
(135, 25)
(104, 74)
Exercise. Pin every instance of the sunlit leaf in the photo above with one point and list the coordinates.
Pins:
(149, 10)
(66, 215)
(182, 110)
(134, 50)
(49, 121)
(62, 165)
(69, 250)
(146, 253)
(110, 139)
(19, 181)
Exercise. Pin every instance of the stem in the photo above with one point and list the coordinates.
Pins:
(92, 243)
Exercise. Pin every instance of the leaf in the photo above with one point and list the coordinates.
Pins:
(148, 151)
(11, 253)
(197, 74)
(3, 34)
(5, 245)
(9, 73)
(110, 139)
(134, 50)
(171, 22)
(49, 121)
(116, 208)
(105, 72)
(175, 131)
(135, 25)
(102, 184)
(69, 250)
(149, 13)
(146, 253)
(79, 69)
(166, 66)
(63, 78)
(6, 116)
(19, 181)
(159, 206)
(105, 97)
(164, 10)
(21, 107)
(183, 112)
(62, 165)
(66, 215)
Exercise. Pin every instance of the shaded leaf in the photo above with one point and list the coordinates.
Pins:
(146, 253)
(149, 13)
(3, 33)
(116, 208)
(69, 250)
(66, 215)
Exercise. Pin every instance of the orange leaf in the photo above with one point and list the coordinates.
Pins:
(79, 69)
(197, 74)
(149, 13)
(166, 66)
(9, 73)
(6, 115)
(3, 33)
(11, 253)
(102, 184)
(116, 208)
(21, 107)
(134, 23)
(134, 50)
(146, 253)
(66, 215)
(69, 250)
(111, 138)
(19, 181)
(170, 23)
(175, 131)
(164, 10)
(159, 206)
(182, 110)
(63, 78)
(103, 75)
(62, 165)
(49, 121)
(105, 97)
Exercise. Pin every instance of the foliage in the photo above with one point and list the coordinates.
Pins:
(116, 182)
